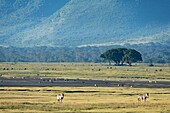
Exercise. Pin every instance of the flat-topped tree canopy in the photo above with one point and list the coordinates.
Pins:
(121, 55)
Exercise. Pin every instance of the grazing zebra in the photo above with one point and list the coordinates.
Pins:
(60, 97)
(143, 97)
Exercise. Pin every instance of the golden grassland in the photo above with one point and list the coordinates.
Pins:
(84, 99)
(85, 71)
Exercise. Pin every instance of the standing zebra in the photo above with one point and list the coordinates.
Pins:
(60, 97)
(143, 97)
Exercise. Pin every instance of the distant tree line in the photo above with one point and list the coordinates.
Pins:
(154, 52)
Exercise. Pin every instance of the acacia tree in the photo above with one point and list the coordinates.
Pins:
(132, 56)
(107, 56)
(121, 55)
(115, 55)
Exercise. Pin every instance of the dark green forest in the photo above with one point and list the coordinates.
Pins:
(151, 52)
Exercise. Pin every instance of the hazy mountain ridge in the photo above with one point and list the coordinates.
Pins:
(85, 22)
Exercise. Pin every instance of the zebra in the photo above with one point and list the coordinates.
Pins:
(143, 97)
(60, 97)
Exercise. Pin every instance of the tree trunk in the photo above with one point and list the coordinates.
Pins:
(109, 62)
(130, 63)
(122, 63)
(117, 63)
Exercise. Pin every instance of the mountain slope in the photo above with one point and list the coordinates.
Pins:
(86, 22)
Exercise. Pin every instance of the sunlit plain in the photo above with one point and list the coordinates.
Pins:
(84, 99)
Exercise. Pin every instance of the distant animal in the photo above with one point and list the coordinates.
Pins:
(143, 97)
(60, 97)
(95, 85)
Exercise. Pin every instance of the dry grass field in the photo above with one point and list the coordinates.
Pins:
(84, 99)
(85, 71)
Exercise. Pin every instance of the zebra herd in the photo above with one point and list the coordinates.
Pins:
(141, 97)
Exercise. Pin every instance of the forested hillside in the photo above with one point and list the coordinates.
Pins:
(68, 23)
(154, 52)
